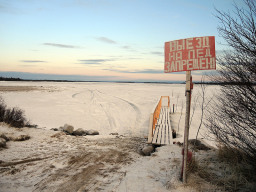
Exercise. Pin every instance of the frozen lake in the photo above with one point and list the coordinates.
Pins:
(107, 107)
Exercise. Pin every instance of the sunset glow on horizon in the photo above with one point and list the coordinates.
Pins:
(104, 40)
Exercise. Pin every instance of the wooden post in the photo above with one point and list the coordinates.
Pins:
(186, 131)
(150, 128)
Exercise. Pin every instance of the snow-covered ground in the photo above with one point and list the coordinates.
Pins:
(101, 163)
(106, 107)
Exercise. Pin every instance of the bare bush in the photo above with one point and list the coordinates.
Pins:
(2, 109)
(233, 118)
(224, 169)
(203, 104)
(194, 105)
(14, 117)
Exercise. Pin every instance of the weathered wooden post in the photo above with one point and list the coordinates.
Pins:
(187, 117)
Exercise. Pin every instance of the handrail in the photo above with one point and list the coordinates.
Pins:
(157, 111)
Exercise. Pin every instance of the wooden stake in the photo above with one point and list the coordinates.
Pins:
(186, 131)
(150, 128)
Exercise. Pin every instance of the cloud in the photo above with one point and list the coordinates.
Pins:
(147, 71)
(2, 7)
(151, 71)
(110, 41)
(133, 58)
(61, 45)
(106, 40)
(33, 61)
(94, 61)
(157, 53)
(126, 47)
(6, 7)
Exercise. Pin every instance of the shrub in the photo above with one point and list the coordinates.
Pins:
(2, 109)
(232, 118)
(226, 169)
(14, 117)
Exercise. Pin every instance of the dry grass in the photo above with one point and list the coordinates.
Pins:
(18, 88)
(223, 170)
(94, 167)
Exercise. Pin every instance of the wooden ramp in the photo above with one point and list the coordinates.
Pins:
(162, 135)
(160, 131)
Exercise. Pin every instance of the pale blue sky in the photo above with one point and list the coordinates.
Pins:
(116, 39)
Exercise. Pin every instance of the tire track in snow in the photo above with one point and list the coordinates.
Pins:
(111, 118)
(98, 98)
(94, 101)
(81, 92)
(137, 110)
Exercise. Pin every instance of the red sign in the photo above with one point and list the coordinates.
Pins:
(196, 53)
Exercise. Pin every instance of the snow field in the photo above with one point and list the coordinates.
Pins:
(107, 107)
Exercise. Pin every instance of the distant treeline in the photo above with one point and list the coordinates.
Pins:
(10, 79)
(19, 79)
(169, 82)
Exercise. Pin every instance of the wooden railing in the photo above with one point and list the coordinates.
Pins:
(157, 111)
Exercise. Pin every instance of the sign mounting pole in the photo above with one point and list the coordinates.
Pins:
(186, 131)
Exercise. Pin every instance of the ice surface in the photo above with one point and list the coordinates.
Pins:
(106, 107)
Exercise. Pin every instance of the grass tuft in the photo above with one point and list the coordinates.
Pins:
(15, 117)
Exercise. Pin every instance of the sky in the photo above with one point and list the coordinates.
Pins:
(101, 40)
